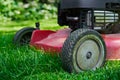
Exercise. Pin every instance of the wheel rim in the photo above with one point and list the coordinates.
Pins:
(87, 55)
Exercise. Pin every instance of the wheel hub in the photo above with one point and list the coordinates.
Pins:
(89, 55)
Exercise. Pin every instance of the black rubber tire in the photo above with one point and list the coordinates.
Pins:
(23, 36)
(70, 50)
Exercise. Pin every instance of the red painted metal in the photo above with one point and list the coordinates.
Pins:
(113, 46)
(51, 41)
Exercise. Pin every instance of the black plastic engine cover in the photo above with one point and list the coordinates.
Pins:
(66, 4)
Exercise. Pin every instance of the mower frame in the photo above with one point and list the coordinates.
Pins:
(82, 47)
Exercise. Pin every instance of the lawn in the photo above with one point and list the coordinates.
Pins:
(25, 63)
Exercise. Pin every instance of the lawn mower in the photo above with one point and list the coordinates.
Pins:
(92, 35)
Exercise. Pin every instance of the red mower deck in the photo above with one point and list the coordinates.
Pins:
(51, 41)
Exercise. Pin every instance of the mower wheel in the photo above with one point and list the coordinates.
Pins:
(23, 36)
(83, 50)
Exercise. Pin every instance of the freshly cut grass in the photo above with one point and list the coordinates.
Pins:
(26, 63)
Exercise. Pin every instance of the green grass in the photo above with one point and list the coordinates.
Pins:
(14, 26)
(25, 63)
